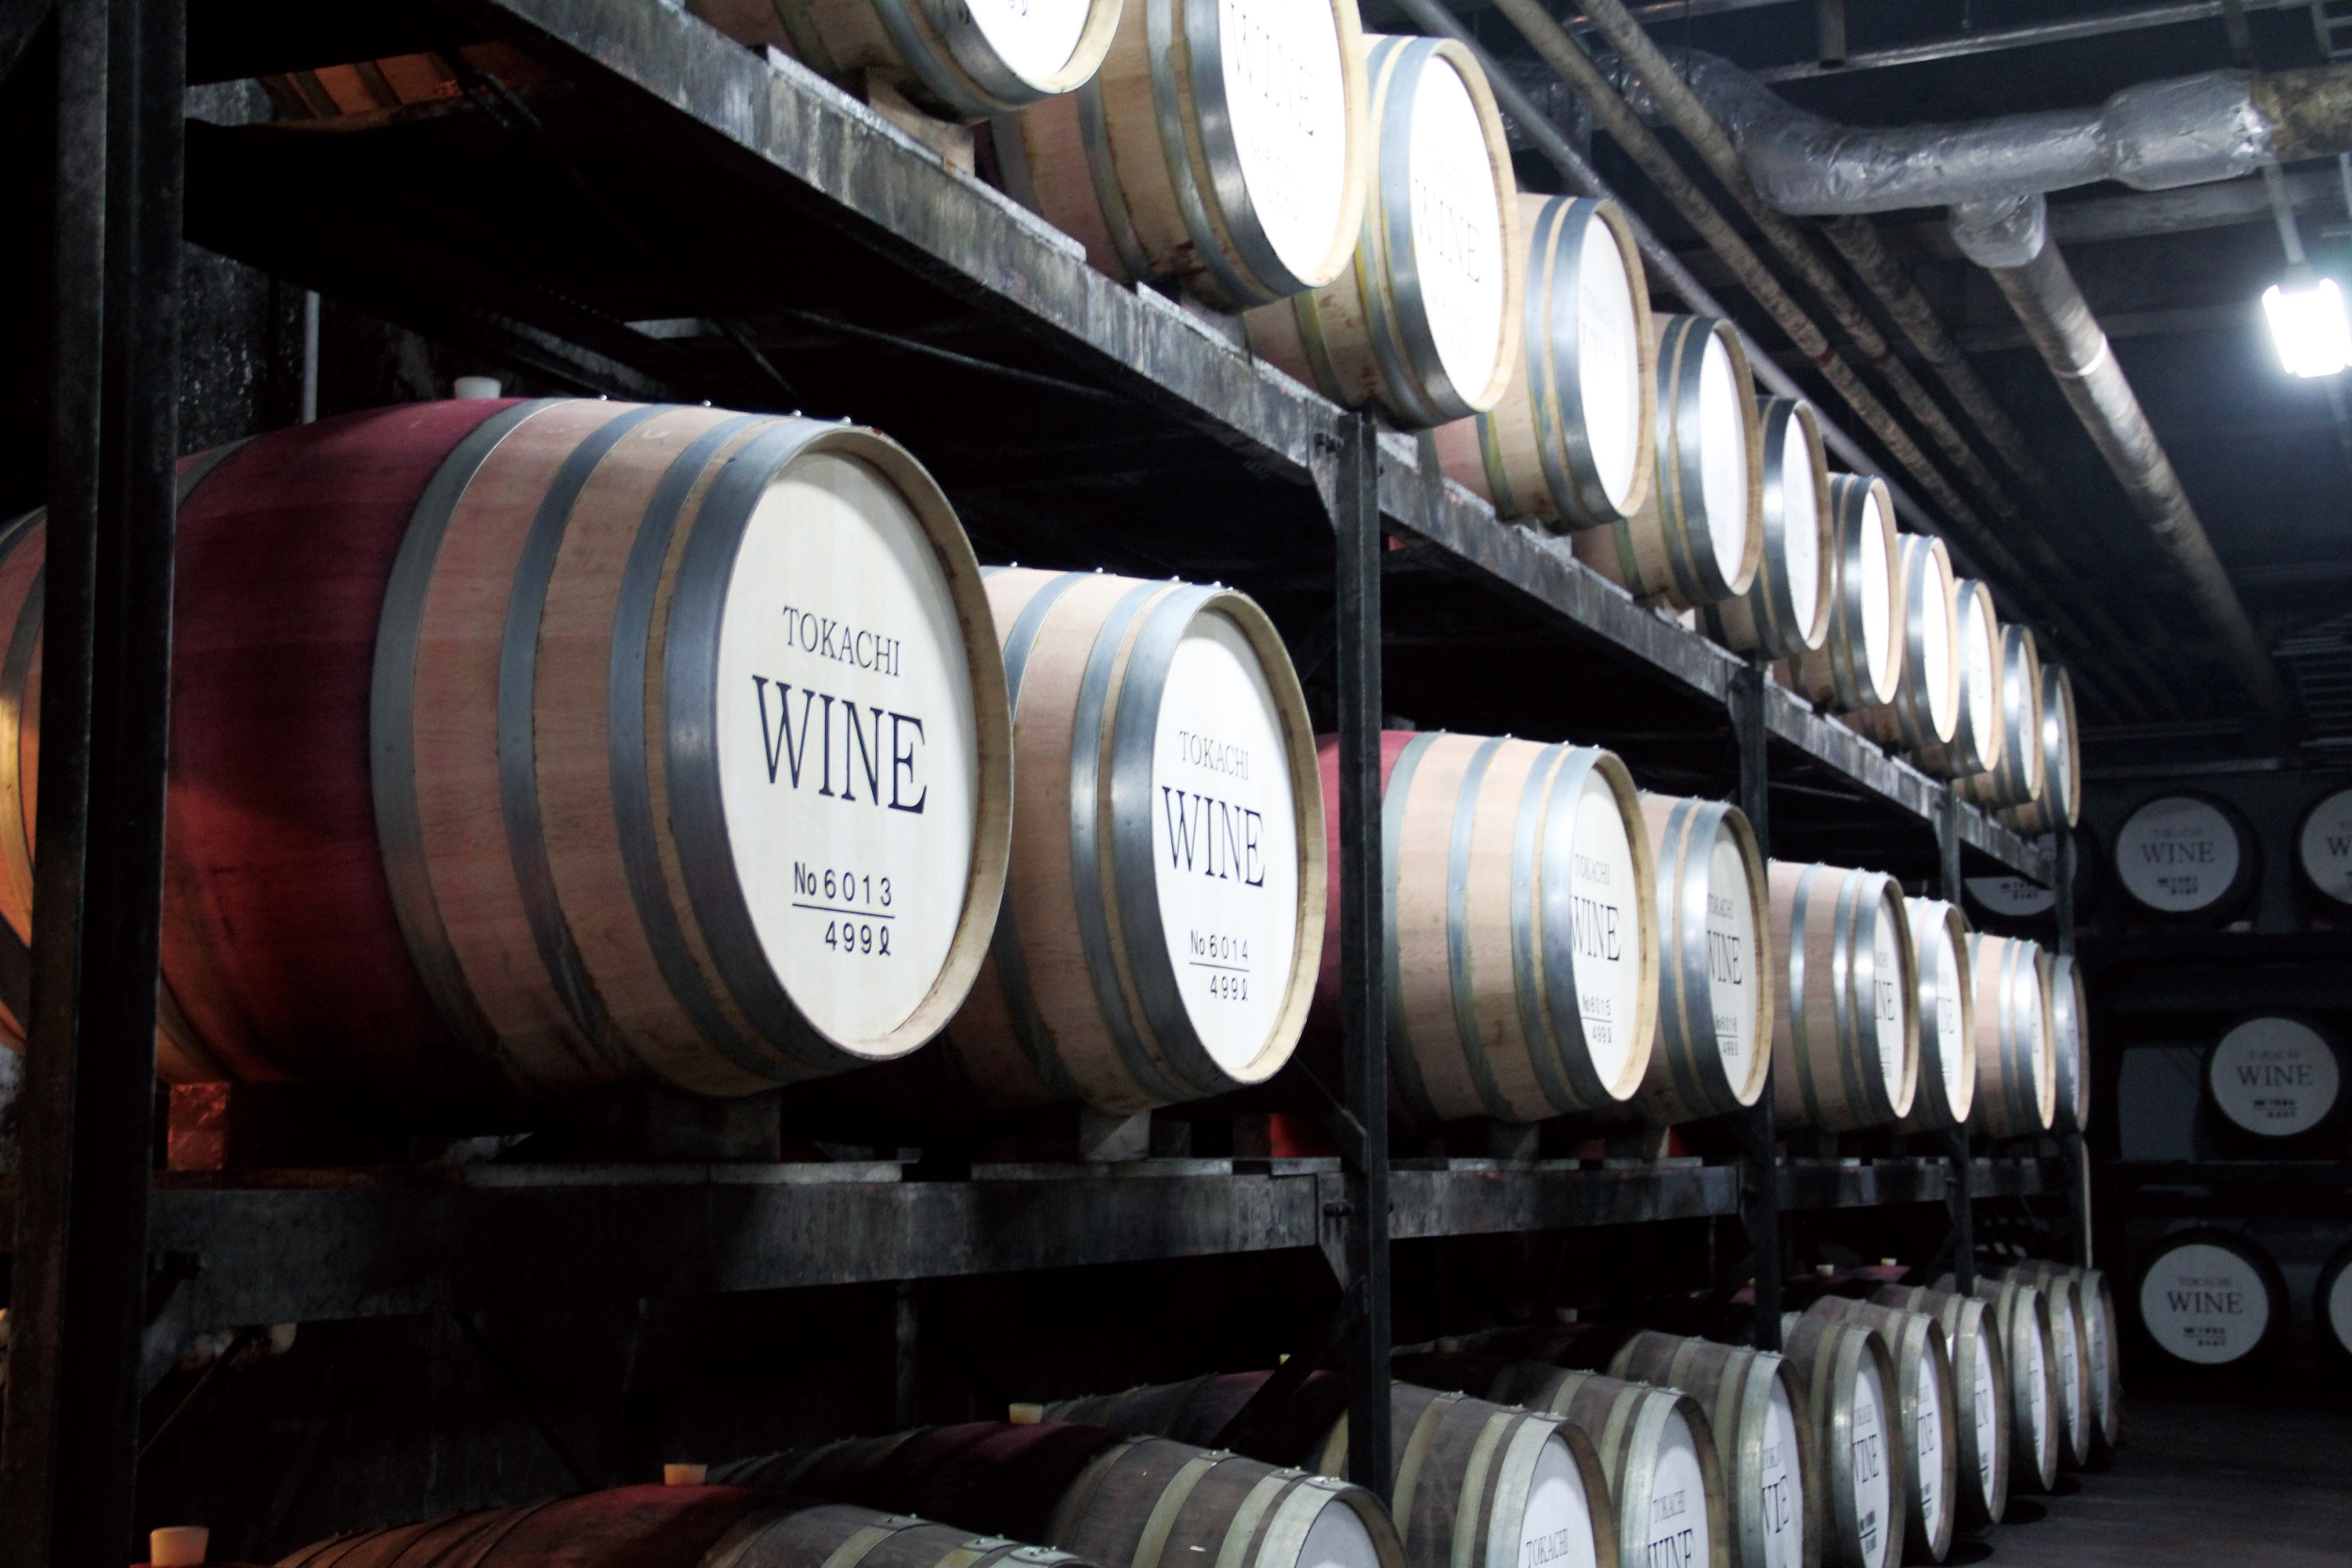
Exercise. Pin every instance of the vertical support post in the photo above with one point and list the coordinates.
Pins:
(2077, 1152)
(1350, 481)
(1960, 1197)
(1829, 31)
(1759, 1175)
(69, 1438)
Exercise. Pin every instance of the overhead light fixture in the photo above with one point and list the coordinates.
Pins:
(2308, 321)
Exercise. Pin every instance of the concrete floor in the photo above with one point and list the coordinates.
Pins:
(2252, 1474)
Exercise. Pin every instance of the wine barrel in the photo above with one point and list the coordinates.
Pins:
(2210, 1298)
(1521, 924)
(1851, 1393)
(1425, 326)
(1223, 146)
(2068, 1340)
(1860, 663)
(848, 1537)
(1573, 443)
(493, 779)
(2275, 1080)
(2023, 1321)
(1658, 1451)
(1712, 1050)
(1928, 1409)
(1926, 707)
(1699, 536)
(1846, 1001)
(2322, 847)
(2018, 779)
(1975, 745)
(2061, 801)
(630, 1527)
(1785, 612)
(2016, 1072)
(2331, 1303)
(2187, 857)
(2095, 1325)
(1947, 1018)
(1162, 926)
(1757, 1410)
(1980, 1427)
(2070, 1048)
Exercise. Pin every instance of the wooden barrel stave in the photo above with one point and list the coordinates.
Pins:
(1947, 1018)
(1860, 663)
(2017, 779)
(1786, 610)
(1980, 1398)
(1928, 1426)
(1846, 1009)
(1717, 988)
(1925, 712)
(1756, 1407)
(2017, 1073)
(1850, 1392)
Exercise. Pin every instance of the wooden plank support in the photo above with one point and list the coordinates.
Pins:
(1761, 1184)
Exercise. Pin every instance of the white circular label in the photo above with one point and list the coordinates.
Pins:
(2070, 1359)
(2338, 1308)
(1781, 1476)
(2326, 847)
(2204, 1304)
(1981, 660)
(848, 754)
(1338, 1539)
(1927, 1449)
(1034, 39)
(1800, 524)
(1457, 228)
(1731, 957)
(1556, 1530)
(1723, 411)
(1932, 617)
(2013, 897)
(1608, 360)
(2275, 1076)
(1877, 631)
(1225, 841)
(1607, 917)
(1988, 1418)
(1889, 998)
(1286, 98)
(1943, 1012)
(1674, 1528)
(2177, 854)
(1872, 1481)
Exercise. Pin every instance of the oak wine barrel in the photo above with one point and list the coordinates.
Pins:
(1851, 1393)
(1946, 1091)
(2062, 798)
(1860, 663)
(1978, 737)
(2070, 1045)
(2331, 1303)
(1658, 1451)
(630, 1526)
(1573, 442)
(1785, 612)
(1711, 1053)
(2322, 847)
(843, 1536)
(1225, 146)
(2023, 1322)
(1756, 1409)
(2016, 1071)
(2275, 1079)
(1162, 922)
(1980, 1398)
(2096, 1322)
(1925, 709)
(523, 746)
(1928, 1411)
(2018, 779)
(2187, 857)
(1699, 536)
(1425, 326)
(1846, 999)
(2210, 1298)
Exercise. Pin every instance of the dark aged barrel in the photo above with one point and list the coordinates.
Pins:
(2322, 847)
(1223, 146)
(631, 1526)
(1698, 537)
(1927, 1425)
(1785, 612)
(1712, 1053)
(1573, 442)
(1425, 324)
(1851, 1393)
(1975, 745)
(965, 61)
(2093, 1303)
(2017, 1073)
(1846, 999)
(2017, 779)
(2331, 1303)
(1926, 710)
(842, 1536)
(1947, 1018)
(2070, 1046)
(2022, 1320)
(1519, 920)
(1659, 1453)
(1757, 1410)
(520, 742)
(2275, 1079)
(2187, 857)
(1163, 925)
(2061, 797)
(1860, 663)
(1979, 1398)
(2211, 1297)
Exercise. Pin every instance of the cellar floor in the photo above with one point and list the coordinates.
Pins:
(2249, 1474)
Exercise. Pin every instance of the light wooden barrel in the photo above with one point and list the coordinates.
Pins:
(630, 1527)
(1850, 1402)
(1925, 709)
(1928, 1426)
(2070, 1046)
(1846, 999)
(523, 746)
(1658, 1451)
(2277, 1081)
(2212, 1298)
(1699, 536)
(2322, 847)
(1573, 443)
(2062, 798)
(1223, 146)
(965, 61)
(1785, 612)
(1860, 663)
(1980, 1397)
(2092, 1301)
(1716, 987)
(1756, 1407)
(1947, 1017)
(2187, 857)
(2022, 1320)
(1521, 924)
(1163, 924)
(2017, 779)
(1977, 733)
(2016, 1071)
(1425, 326)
